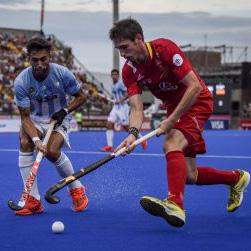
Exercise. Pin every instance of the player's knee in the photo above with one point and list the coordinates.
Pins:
(191, 177)
(52, 154)
(170, 146)
(26, 144)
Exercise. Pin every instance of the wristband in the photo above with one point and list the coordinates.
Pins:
(34, 139)
(134, 131)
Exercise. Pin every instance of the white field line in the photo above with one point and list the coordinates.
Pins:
(145, 154)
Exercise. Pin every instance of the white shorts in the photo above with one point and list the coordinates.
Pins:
(63, 129)
(119, 114)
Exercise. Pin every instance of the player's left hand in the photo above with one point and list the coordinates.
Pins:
(166, 126)
(40, 147)
(127, 142)
(59, 116)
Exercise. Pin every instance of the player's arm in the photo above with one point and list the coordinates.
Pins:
(171, 54)
(30, 129)
(27, 124)
(23, 103)
(78, 100)
(122, 99)
(136, 106)
(73, 88)
(136, 111)
(191, 94)
(135, 122)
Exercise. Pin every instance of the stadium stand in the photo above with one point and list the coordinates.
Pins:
(14, 59)
(233, 78)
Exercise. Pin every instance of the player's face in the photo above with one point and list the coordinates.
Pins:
(115, 77)
(39, 61)
(131, 50)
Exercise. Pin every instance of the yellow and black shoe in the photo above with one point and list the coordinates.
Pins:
(236, 191)
(166, 209)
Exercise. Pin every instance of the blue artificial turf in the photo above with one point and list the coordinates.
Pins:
(114, 219)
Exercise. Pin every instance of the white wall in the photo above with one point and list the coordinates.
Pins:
(104, 78)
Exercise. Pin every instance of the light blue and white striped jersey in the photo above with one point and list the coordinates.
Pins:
(48, 96)
(118, 92)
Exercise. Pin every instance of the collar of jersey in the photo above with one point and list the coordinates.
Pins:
(149, 49)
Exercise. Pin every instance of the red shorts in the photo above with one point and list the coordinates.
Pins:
(191, 124)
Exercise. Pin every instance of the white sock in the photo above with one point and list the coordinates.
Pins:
(65, 168)
(109, 137)
(25, 162)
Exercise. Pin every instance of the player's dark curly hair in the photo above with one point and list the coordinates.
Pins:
(115, 70)
(38, 43)
(125, 29)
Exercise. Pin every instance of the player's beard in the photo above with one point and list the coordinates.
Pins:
(40, 73)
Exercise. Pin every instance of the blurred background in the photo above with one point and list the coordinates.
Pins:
(215, 35)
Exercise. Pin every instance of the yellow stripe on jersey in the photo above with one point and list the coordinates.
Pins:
(150, 50)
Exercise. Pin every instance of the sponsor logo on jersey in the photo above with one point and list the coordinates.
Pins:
(46, 98)
(140, 77)
(165, 86)
(177, 60)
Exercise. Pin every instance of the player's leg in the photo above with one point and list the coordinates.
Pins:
(144, 144)
(171, 209)
(25, 161)
(210, 176)
(109, 135)
(237, 180)
(123, 117)
(65, 168)
(110, 131)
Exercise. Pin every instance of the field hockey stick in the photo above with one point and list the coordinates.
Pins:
(32, 175)
(102, 96)
(106, 98)
(83, 171)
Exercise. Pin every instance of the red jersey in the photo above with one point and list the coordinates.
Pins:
(162, 73)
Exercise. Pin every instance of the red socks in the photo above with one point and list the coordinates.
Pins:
(210, 176)
(176, 176)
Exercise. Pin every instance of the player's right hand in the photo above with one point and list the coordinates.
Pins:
(127, 142)
(40, 147)
(59, 116)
